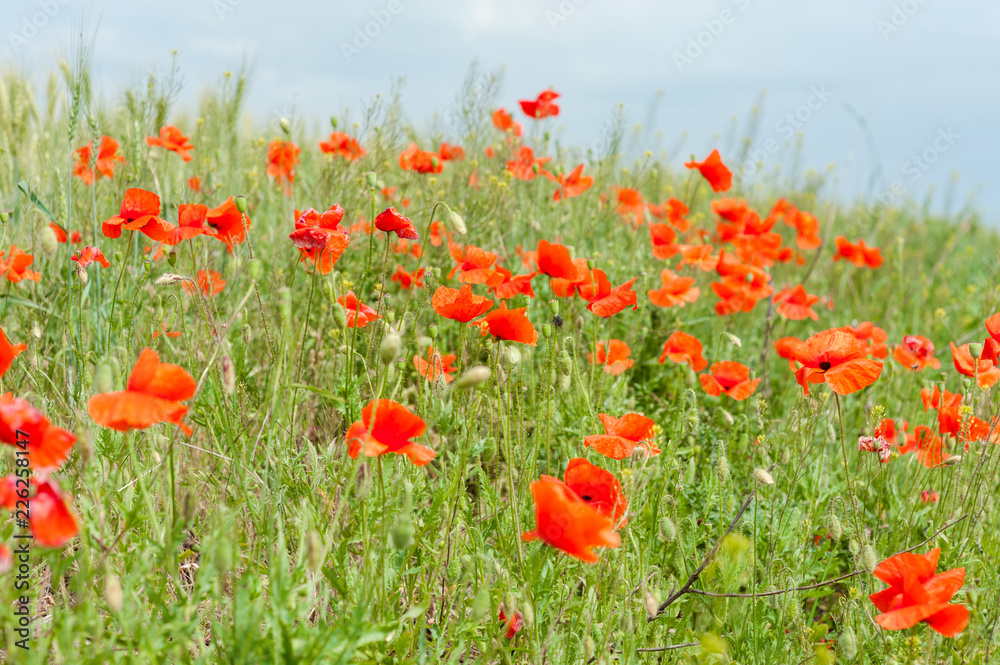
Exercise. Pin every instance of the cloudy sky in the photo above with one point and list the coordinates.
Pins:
(923, 74)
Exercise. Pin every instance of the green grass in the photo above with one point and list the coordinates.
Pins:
(258, 539)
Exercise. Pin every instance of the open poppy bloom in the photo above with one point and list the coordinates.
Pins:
(805, 224)
(139, 212)
(714, 171)
(787, 347)
(796, 304)
(421, 161)
(343, 145)
(387, 427)
(674, 211)
(435, 365)
(728, 377)
(474, 265)
(916, 353)
(859, 254)
(606, 301)
(916, 594)
(359, 314)
(227, 223)
(319, 237)
(567, 522)
(51, 521)
(505, 123)
(542, 106)
(48, 446)
(616, 360)
(925, 445)
(663, 238)
(513, 624)
(623, 435)
(699, 256)
(836, 357)
(506, 285)
(630, 205)
(8, 352)
(985, 371)
(597, 487)
(555, 261)
(526, 166)
(451, 153)
(676, 290)
(153, 395)
(14, 266)
(876, 444)
(460, 305)
(887, 430)
(993, 326)
(104, 167)
(282, 156)
(172, 139)
(390, 221)
(681, 347)
(191, 219)
(742, 285)
(89, 255)
(873, 337)
(929, 496)
(571, 185)
(408, 280)
(508, 324)
(210, 283)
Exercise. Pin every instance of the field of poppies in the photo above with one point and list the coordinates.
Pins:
(462, 393)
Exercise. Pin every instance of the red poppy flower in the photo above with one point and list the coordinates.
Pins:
(343, 145)
(514, 623)
(873, 337)
(567, 522)
(787, 348)
(916, 353)
(194, 183)
(572, 185)
(663, 238)
(451, 153)
(554, 260)
(526, 166)
(542, 106)
(993, 326)
(742, 285)
(681, 347)
(190, 223)
(282, 156)
(985, 371)
(227, 222)
(836, 357)
(139, 212)
(389, 220)
(806, 228)
(859, 254)
(674, 211)
(320, 238)
(676, 290)
(505, 122)
(153, 395)
(623, 435)
(506, 285)
(8, 352)
(210, 283)
(796, 304)
(408, 280)
(89, 255)
(508, 324)
(876, 444)
(630, 205)
(730, 378)
(597, 487)
(699, 256)
(359, 314)
(473, 265)
(51, 521)
(925, 445)
(609, 301)
(387, 427)
(421, 161)
(172, 139)
(104, 167)
(460, 305)
(435, 365)
(928, 496)
(60, 232)
(887, 430)
(14, 266)
(916, 594)
(714, 171)
(48, 446)
(616, 360)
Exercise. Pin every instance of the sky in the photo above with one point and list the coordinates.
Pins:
(920, 75)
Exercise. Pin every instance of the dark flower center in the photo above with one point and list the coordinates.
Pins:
(824, 365)
(587, 498)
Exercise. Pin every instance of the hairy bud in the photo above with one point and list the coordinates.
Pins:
(833, 525)
(474, 377)
(763, 477)
(868, 558)
(49, 242)
(389, 348)
(113, 593)
(667, 529)
(169, 279)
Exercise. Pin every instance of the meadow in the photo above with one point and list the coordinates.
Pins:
(363, 393)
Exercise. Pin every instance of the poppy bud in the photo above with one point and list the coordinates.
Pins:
(49, 242)
(113, 592)
(339, 315)
(650, 604)
(527, 614)
(848, 644)
(667, 529)
(722, 469)
(5, 216)
(868, 558)
(546, 330)
(103, 382)
(474, 377)
(625, 622)
(509, 604)
(253, 269)
(588, 647)
(512, 355)
(172, 259)
(564, 381)
(763, 476)
(733, 339)
(36, 331)
(854, 546)
(402, 533)
(228, 375)
(241, 204)
(480, 605)
(834, 527)
(432, 331)
(314, 551)
(372, 179)
(564, 363)
(169, 279)
(793, 610)
(286, 126)
(975, 348)
(81, 274)
(389, 348)
(728, 417)
(456, 222)
(953, 460)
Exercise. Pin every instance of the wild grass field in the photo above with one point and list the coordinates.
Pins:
(560, 405)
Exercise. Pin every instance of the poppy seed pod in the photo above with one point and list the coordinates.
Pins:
(432, 331)
(372, 179)
(241, 204)
(546, 330)
(480, 605)
(5, 216)
(49, 242)
(113, 593)
(975, 348)
(389, 348)
(868, 559)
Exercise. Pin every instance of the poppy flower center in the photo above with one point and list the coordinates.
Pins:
(825, 365)
(587, 498)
